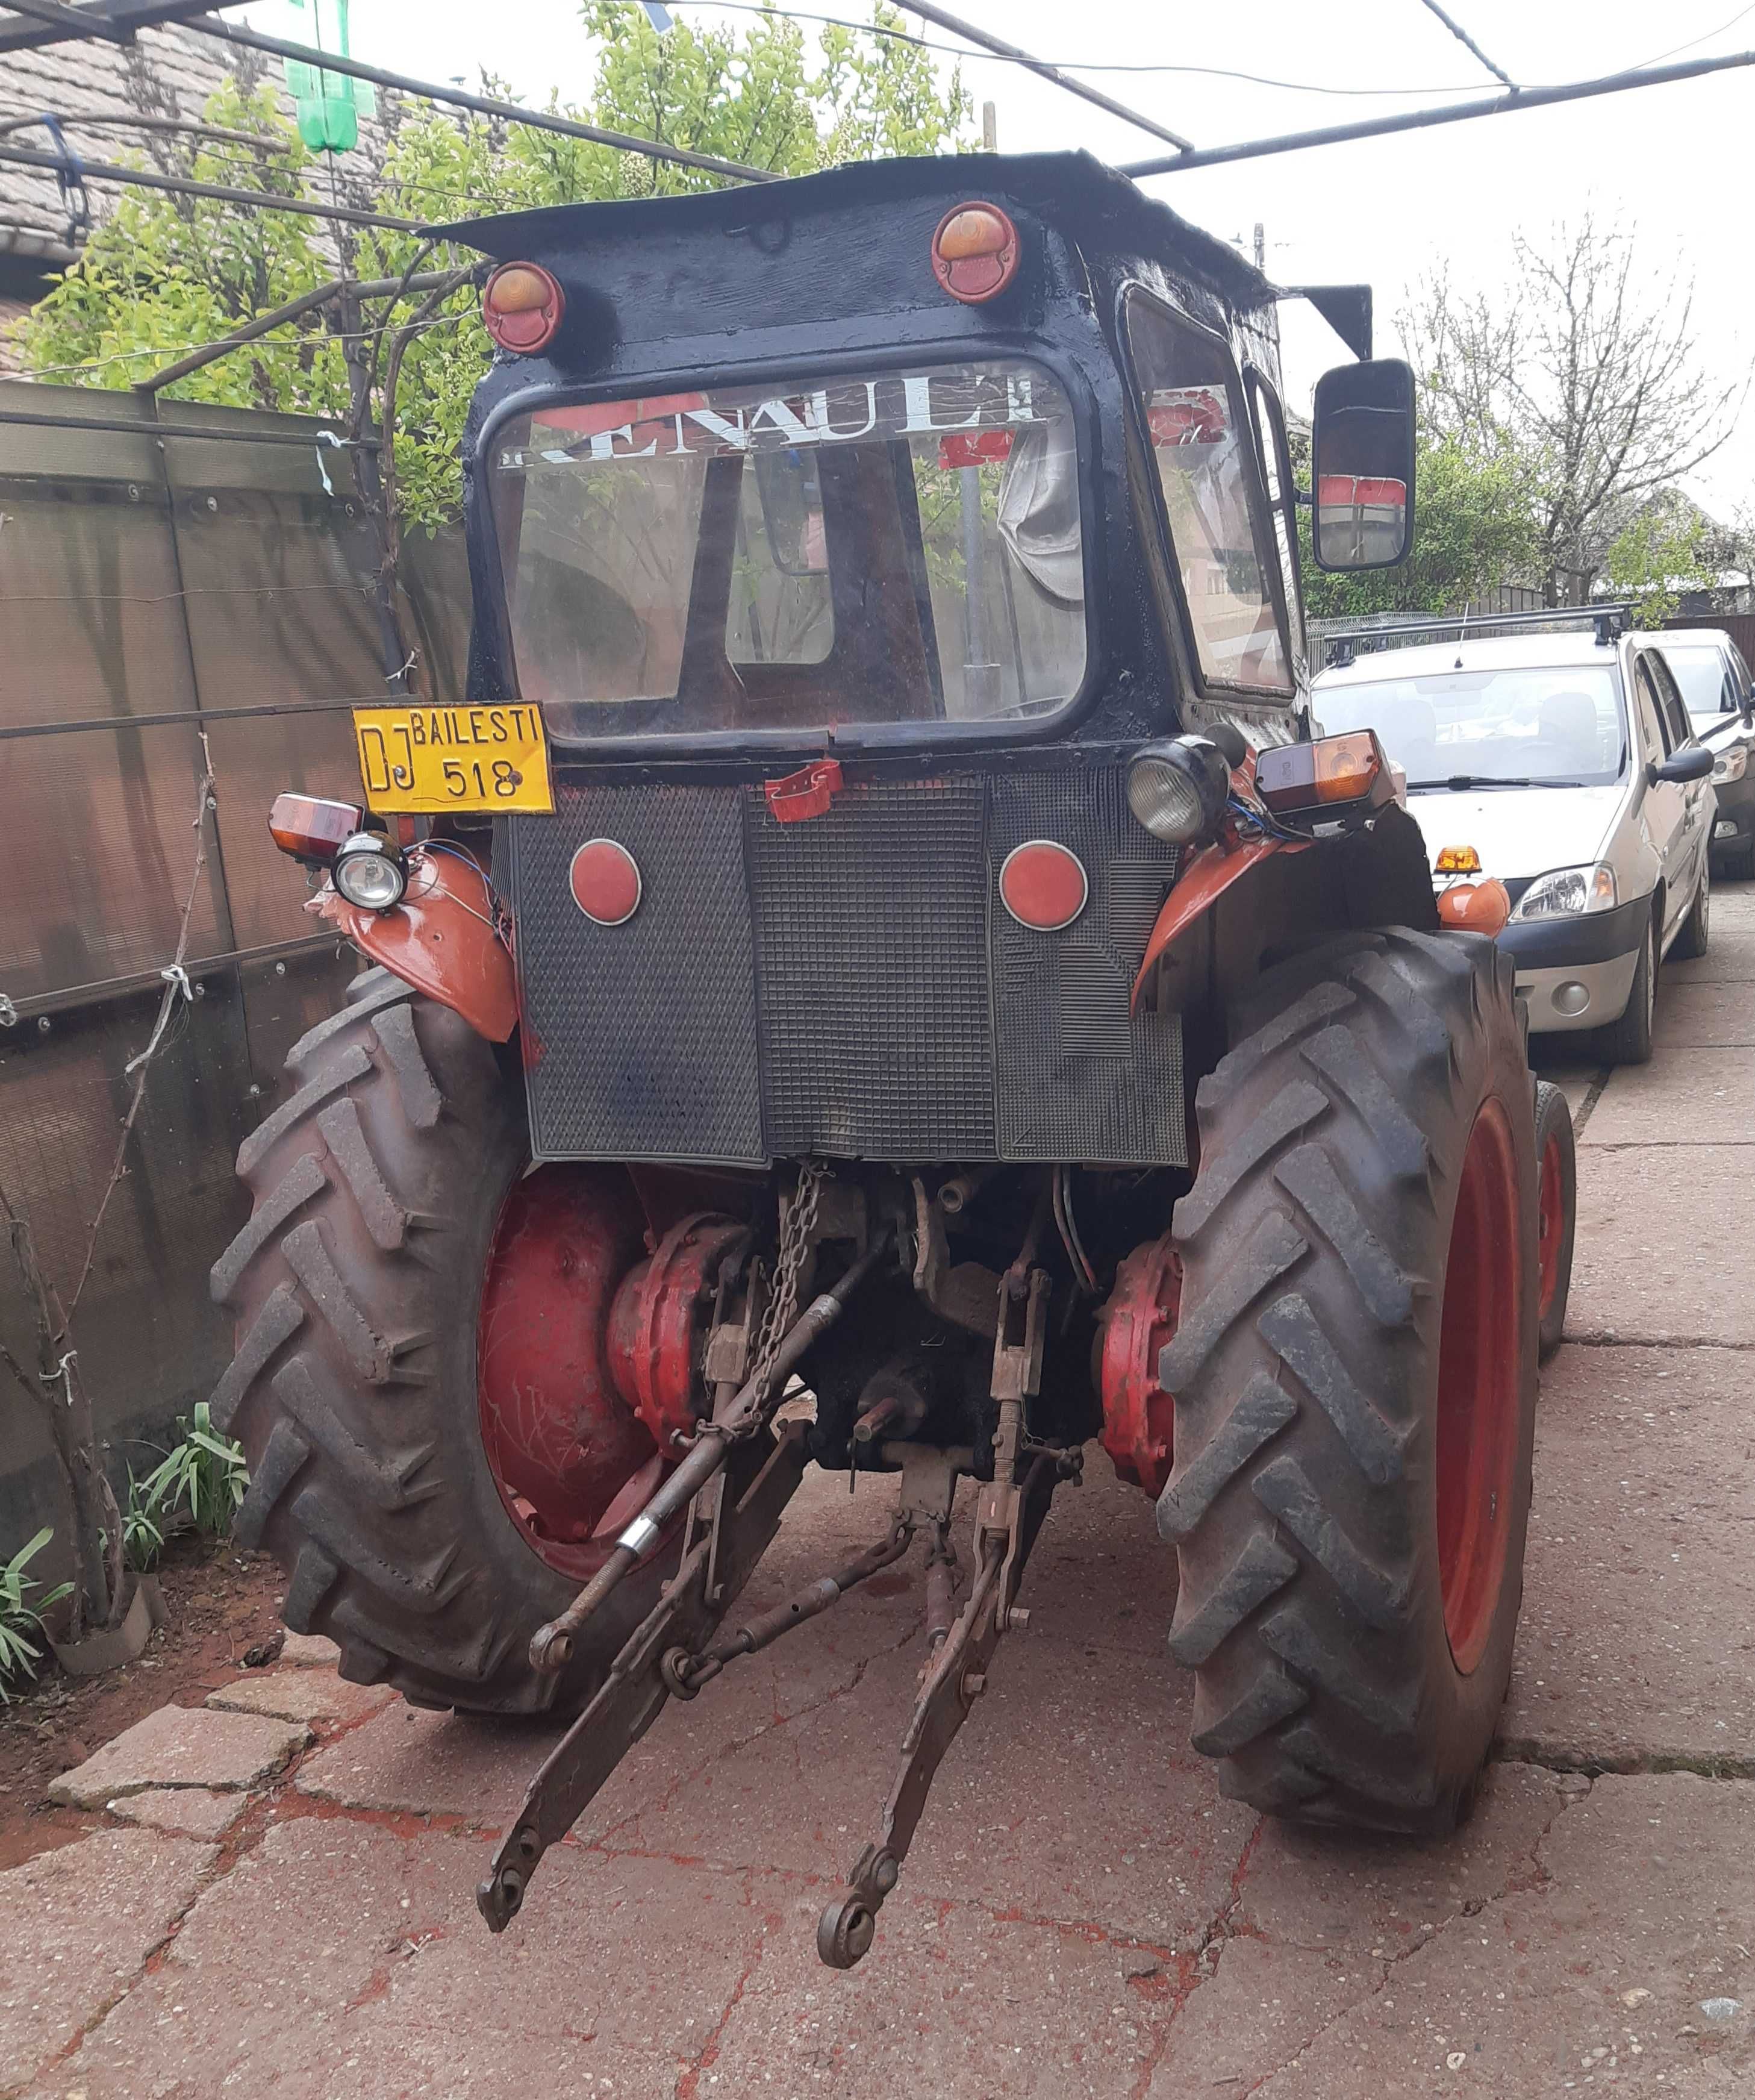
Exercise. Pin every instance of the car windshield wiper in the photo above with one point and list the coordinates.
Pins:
(1490, 780)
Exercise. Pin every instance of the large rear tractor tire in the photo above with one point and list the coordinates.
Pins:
(387, 1188)
(1354, 1375)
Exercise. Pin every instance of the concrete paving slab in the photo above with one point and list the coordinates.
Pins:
(1659, 1251)
(189, 1811)
(1704, 1097)
(340, 1961)
(1377, 1898)
(1261, 2006)
(1044, 1809)
(1636, 1645)
(953, 2001)
(1730, 957)
(309, 1651)
(181, 1746)
(1704, 1016)
(75, 1925)
(301, 1694)
(1592, 1976)
(410, 1762)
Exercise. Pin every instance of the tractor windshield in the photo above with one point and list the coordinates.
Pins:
(901, 547)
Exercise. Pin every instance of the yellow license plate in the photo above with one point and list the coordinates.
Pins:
(418, 760)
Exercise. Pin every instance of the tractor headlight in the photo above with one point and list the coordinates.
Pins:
(1178, 789)
(1565, 891)
(1732, 764)
(368, 871)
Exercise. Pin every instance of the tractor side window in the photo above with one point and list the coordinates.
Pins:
(1203, 447)
(1276, 450)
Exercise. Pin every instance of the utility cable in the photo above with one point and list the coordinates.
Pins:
(1468, 43)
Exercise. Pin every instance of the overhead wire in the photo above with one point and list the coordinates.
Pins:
(1468, 43)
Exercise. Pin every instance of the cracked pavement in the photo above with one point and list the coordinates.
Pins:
(1081, 1913)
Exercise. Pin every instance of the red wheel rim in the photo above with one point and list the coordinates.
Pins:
(571, 1460)
(1480, 1352)
(1550, 1224)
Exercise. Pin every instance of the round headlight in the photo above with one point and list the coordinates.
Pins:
(368, 873)
(1178, 789)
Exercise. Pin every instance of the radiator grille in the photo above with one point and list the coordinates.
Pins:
(644, 1036)
(850, 985)
(1079, 1077)
(872, 973)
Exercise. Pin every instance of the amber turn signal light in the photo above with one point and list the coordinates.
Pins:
(975, 253)
(1458, 860)
(1332, 773)
(310, 829)
(522, 308)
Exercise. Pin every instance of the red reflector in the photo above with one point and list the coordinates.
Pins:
(309, 828)
(522, 308)
(974, 448)
(975, 253)
(606, 882)
(808, 792)
(1044, 885)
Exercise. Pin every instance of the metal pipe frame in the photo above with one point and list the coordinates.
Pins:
(1449, 113)
(485, 105)
(154, 430)
(149, 178)
(999, 46)
(369, 288)
(114, 21)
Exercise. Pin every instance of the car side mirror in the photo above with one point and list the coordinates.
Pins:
(1362, 463)
(1694, 763)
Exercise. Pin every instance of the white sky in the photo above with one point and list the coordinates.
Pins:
(1672, 163)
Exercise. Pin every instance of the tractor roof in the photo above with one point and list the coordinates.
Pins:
(1075, 193)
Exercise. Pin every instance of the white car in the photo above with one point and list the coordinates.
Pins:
(1720, 697)
(1569, 762)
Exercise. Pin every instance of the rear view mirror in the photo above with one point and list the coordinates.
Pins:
(1694, 763)
(1363, 449)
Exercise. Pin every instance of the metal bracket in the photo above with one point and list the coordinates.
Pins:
(633, 1695)
(8, 1012)
(965, 1294)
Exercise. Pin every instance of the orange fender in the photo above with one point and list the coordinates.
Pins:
(441, 939)
(1208, 874)
(1477, 907)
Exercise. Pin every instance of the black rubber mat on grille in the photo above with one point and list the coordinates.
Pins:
(871, 971)
(1078, 1078)
(850, 985)
(644, 1035)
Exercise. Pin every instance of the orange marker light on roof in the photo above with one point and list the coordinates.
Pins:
(1458, 860)
(522, 308)
(975, 253)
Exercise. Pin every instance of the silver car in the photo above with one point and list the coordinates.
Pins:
(1569, 762)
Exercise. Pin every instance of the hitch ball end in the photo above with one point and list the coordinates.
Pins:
(498, 1898)
(551, 1649)
(845, 1931)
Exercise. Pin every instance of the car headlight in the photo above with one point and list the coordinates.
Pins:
(1565, 891)
(368, 871)
(1732, 764)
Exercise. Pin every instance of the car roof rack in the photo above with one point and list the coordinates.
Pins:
(1341, 645)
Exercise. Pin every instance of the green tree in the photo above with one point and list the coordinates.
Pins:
(1474, 530)
(1657, 556)
(164, 273)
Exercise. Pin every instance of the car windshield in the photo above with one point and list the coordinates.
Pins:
(901, 548)
(1559, 725)
(1701, 672)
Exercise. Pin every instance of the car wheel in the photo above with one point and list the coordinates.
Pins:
(1691, 942)
(1628, 1041)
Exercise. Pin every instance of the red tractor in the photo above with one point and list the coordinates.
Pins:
(883, 974)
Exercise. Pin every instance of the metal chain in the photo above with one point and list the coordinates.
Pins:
(797, 1225)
